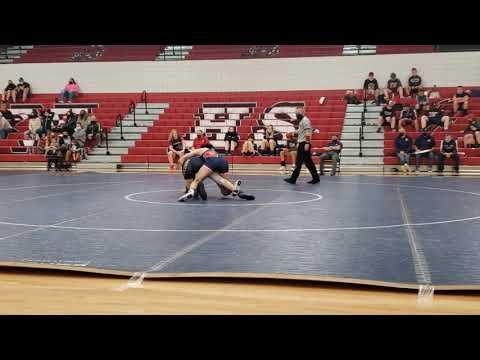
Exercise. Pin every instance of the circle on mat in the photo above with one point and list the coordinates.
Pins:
(227, 201)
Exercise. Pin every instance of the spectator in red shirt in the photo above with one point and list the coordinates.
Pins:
(200, 140)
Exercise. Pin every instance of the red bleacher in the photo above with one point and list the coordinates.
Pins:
(404, 49)
(211, 52)
(457, 126)
(110, 105)
(65, 53)
(152, 147)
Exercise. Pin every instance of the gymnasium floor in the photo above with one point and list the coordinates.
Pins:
(390, 231)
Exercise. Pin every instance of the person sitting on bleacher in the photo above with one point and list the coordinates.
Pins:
(350, 98)
(200, 140)
(10, 92)
(434, 93)
(80, 135)
(5, 128)
(394, 86)
(51, 143)
(69, 92)
(425, 144)
(94, 132)
(249, 147)
(34, 127)
(403, 149)
(41, 144)
(448, 150)
(414, 83)
(23, 89)
(408, 116)
(331, 151)
(231, 140)
(370, 87)
(83, 119)
(387, 115)
(269, 142)
(436, 116)
(471, 138)
(65, 146)
(176, 148)
(290, 149)
(460, 101)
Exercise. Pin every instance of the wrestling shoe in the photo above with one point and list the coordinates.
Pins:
(236, 187)
(201, 191)
(186, 196)
(244, 196)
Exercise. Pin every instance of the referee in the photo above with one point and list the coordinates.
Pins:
(304, 154)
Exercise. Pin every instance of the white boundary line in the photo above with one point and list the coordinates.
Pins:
(230, 204)
(70, 184)
(275, 230)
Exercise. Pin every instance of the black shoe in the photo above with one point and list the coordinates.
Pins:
(201, 191)
(379, 131)
(244, 196)
(332, 174)
(313, 181)
(290, 181)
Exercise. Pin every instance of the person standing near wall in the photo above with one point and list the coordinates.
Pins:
(304, 154)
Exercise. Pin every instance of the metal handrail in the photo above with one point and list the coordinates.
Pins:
(361, 131)
(143, 98)
(106, 141)
(133, 109)
(119, 119)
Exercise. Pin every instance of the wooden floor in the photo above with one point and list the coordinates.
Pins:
(53, 292)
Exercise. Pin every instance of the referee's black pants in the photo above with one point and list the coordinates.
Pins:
(304, 156)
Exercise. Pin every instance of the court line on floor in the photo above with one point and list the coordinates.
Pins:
(70, 184)
(420, 264)
(277, 230)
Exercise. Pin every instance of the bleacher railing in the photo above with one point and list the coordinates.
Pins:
(105, 132)
(143, 98)
(132, 110)
(120, 122)
(361, 135)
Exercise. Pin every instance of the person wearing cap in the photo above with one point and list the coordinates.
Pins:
(331, 151)
(394, 86)
(23, 89)
(414, 83)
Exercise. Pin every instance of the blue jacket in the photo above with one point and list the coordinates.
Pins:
(403, 144)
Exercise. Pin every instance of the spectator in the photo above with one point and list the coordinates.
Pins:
(51, 143)
(332, 151)
(249, 147)
(41, 145)
(48, 120)
(408, 116)
(7, 114)
(5, 128)
(94, 132)
(71, 122)
(387, 115)
(351, 98)
(231, 140)
(269, 142)
(460, 101)
(436, 116)
(70, 91)
(200, 140)
(83, 119)
(176, 148)
(65, 146)
(290, 149)
(394, 86)
(424, 145)
(403, 149)
(10, 91)
(370, 87)
(80, 135)
(77, 150)
(23, 89)
(448, 150)
(471, 136)
(414, 84)
(34, 128)
(434, 93)
(60, 125)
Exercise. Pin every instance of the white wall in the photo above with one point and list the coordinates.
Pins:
(442, 69)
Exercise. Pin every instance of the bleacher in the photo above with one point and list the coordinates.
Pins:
(457, 126)
(78, 53)
(248, 112)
